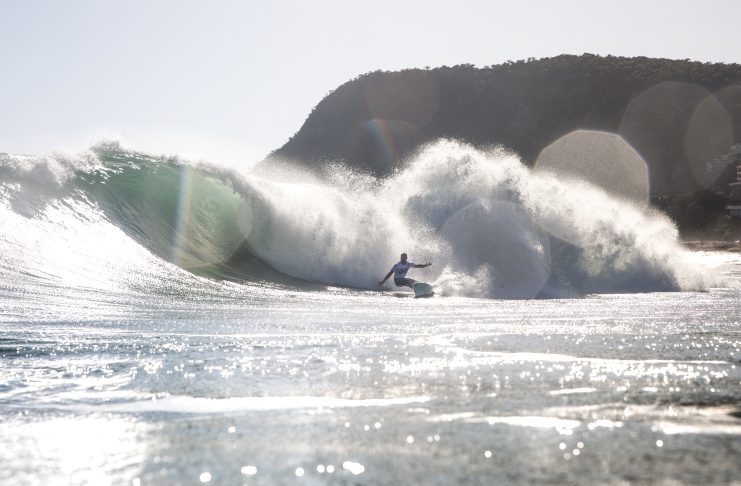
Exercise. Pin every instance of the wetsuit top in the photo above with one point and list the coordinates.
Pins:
(401, 268)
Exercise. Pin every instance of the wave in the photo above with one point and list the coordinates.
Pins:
(492, 227)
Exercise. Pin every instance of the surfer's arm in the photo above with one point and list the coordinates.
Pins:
(386, 277)
(422, 265)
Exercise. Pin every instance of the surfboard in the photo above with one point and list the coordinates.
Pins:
(422, 289)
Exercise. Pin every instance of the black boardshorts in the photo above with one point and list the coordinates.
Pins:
(404, 282)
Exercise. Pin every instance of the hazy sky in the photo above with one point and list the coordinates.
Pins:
(228, 79)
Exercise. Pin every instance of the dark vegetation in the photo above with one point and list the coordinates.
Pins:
(677, 114)
(699, 215)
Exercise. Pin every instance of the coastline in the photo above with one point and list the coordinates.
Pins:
(713, 245)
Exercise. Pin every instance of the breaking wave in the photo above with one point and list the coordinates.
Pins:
(112, 218)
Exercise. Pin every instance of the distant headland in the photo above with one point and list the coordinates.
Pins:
(682, 117)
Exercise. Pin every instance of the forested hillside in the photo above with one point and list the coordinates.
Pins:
(681, 116)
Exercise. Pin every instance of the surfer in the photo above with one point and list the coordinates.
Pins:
(399, 270)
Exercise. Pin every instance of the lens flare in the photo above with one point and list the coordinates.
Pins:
(709, 136)
(182, 215)
(599, 158)
(730, 98)
(655, 124)
(210, 220)
(390, 140)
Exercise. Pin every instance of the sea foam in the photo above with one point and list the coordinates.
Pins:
(491, 226)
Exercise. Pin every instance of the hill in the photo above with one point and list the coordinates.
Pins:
(681, 116)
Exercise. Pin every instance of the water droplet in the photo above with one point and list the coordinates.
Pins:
(659, 443)
(232, 429)
(249, 470)
(299, 471)
(205, 477)
(487, 454)
(410, 439)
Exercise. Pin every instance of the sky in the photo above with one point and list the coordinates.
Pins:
(230, 81)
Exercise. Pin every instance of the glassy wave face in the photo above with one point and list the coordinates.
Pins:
(116, 220)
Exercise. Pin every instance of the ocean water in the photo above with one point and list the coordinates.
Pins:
(165, 322)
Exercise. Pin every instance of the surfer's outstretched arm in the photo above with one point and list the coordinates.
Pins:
(422, 265)
(386, 277)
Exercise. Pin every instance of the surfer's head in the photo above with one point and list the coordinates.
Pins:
(403, 257)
